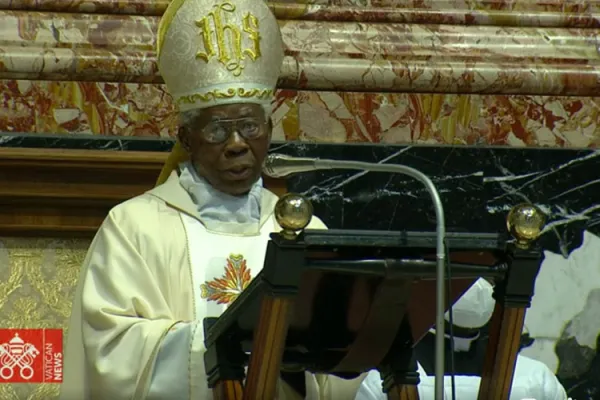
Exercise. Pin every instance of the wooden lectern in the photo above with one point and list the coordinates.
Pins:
(346, 302)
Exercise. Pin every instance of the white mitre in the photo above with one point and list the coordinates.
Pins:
(217, 52)
(475, 307)
(214, 52)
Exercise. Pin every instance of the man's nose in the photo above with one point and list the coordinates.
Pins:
(236, 145)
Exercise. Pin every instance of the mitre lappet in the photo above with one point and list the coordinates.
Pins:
(217, 52)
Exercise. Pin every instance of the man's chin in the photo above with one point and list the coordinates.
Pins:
(238, 187)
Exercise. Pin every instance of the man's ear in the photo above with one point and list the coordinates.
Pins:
(270, 127)
(184, 138)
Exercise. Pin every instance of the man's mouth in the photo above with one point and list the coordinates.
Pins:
(239, 173)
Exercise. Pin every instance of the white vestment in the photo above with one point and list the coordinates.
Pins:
(533, 380)
(137, 284)
(153, 272)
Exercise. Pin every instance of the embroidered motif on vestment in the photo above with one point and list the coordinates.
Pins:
(227, 288)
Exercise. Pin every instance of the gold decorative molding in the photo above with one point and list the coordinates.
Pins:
(67, 193)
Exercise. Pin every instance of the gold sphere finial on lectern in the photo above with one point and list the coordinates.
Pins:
(293, 213)
(525, 223)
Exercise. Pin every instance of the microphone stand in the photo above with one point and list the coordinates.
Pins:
(279, 166)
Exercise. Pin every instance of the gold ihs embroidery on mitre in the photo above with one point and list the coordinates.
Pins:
(215, 52)
(224, 40)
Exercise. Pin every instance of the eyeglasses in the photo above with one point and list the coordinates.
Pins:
(217, 132)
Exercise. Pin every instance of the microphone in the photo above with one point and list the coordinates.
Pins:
(280, 165)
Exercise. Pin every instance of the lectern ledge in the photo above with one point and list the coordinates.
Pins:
(345, 302)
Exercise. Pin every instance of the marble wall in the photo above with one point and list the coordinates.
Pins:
(478, 186)
(468, 73)
(519, 73)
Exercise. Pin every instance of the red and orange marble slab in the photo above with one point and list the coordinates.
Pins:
(556, 13)
(321, 55)
(130, 109)
(347, 77)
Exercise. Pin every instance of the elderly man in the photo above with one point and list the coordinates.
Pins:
(165, 260)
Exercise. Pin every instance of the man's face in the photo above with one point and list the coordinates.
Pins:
(228, 144)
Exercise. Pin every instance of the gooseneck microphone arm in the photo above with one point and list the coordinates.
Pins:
(279, 166)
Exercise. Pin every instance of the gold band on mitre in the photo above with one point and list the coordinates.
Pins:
(217, 52)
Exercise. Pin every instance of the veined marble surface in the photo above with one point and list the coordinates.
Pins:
(321, 55)
(519, 73)
(564, 318)
(491, 12)
(146, 110)
(478, 186)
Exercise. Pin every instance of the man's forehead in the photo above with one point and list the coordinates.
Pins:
(234, 111)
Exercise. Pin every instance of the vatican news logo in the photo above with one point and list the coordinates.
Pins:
(31, 356)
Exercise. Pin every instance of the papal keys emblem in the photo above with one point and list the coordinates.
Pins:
(17, 354)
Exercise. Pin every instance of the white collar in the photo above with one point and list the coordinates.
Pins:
(220, 212)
